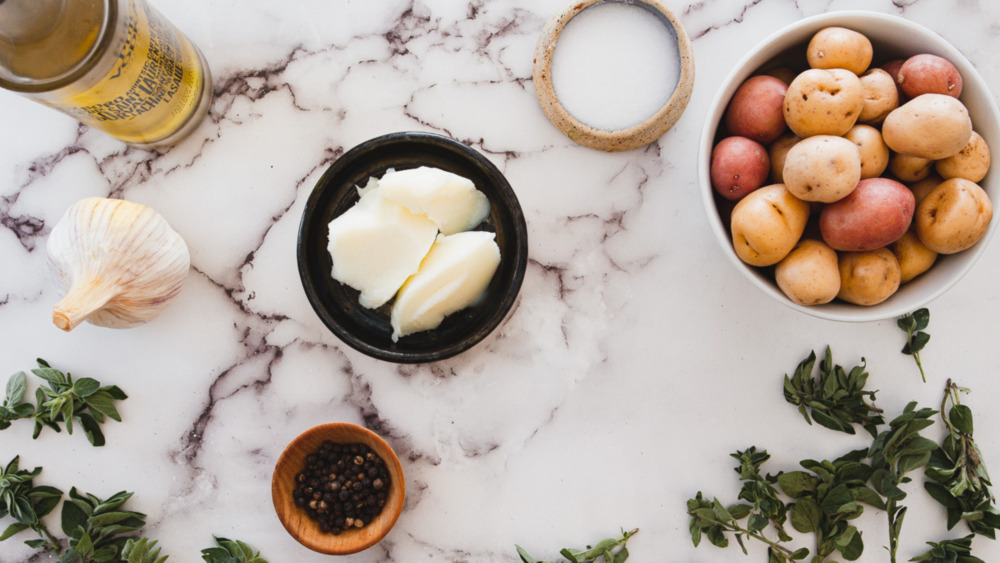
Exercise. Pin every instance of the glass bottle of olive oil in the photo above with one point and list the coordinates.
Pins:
(115, 65)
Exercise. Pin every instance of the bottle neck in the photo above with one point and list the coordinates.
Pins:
(25, 21)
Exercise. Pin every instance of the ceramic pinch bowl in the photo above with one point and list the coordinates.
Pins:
(635, 136)
(295, 520)
(892, 38)
(369, 330)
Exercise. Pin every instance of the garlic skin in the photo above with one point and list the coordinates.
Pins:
(120, 262)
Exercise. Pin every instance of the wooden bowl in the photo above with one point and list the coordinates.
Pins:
(305, 530)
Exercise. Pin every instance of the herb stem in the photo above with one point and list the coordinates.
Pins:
(734, 527)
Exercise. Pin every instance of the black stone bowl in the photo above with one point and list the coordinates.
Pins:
(369, 330)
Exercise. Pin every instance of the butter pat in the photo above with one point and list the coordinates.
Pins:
(377, 244)
(452, 202)
(453, 276)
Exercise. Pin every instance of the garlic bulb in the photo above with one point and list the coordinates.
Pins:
(119, 261)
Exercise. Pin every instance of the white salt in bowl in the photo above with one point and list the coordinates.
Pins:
(892, 38)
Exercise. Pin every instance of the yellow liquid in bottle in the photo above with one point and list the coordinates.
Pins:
(150, 87)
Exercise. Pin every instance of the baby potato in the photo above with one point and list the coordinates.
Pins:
(755, 110)
(869, 277)
(923, 187)
(909, 168)
(739, 166)
(782, 73)
(822, 168)
(971, 163)
(880, 96)
(932, 126)
(823, 102)
(953, 216)
(838, 47)
(929, 74)
(766, 224)
(873, 150)
(809, 275)
(778, 150)
(875, 214)
(913, 256)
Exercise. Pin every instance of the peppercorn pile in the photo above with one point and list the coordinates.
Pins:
(342, 486)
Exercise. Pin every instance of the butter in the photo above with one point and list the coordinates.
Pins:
(377, 244)
(452, 202)
(453, 276)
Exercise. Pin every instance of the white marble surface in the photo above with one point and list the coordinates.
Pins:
(634, 362)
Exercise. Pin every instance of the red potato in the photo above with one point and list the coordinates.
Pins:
(755, 110)
(929, 74)
(875, 214)
(739, 166)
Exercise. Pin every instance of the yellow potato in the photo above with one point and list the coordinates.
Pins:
(838, 47)
(923, 187)
(881, 96)
(766, 225)
(874, 152)
(971, 163)
(823, 102)
(909, 168)
(822, 168)
(931, 126)
(914, 258)
(777, 151)
(809, 275)
(869, 277)
(953, 216)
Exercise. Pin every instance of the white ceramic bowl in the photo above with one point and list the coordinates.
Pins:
(892, 38)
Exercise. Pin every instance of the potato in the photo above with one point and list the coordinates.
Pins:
(914, 258)
(823, 102)
(778, 150)
(766, 225)
(929, 74)
(755, 110)
(880, 96)
(874, 152)
(868, 278)
(971, 163)
(739, 166)
(782, 73)
(932, 126)
(953, 216)
(908, 168)
(822, 168)
(892, 67)
(837, 47)
(923, 187)
(809, 275)
(875, 214)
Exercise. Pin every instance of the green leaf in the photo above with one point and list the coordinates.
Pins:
(13, 529)
(525, 558)
(960, 417)
(85, 387)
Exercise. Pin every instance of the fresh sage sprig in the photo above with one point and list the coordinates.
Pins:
(950, 551)
(895, 452)
(27, 504)
(97, 527)
(837, 399)
(231, 551)
(65, 400)
(14, 406)
(142, 550)
(828, 496)
(914, 324)
(611, 550)
(956, 475)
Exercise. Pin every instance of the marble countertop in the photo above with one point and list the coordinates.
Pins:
(635, 360)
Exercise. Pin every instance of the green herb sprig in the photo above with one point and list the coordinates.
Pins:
(913, 325)
(231, 551)
(14, 407)
(143, 550)
(950, 551)
(611, 550)
(27, 504)
(956, 475)
(66, 400)
(96, 527)
(837, 399)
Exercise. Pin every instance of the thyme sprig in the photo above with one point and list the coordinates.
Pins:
(956, 475)
(913, 325)
(611, 550)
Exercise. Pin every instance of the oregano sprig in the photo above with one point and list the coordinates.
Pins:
(950, 551)
(231, 551)
(14, 406)
(142, 550)
(914, 325)
(611, 550)
(97, 527)
(836, 399)
(66, 400)
(956, 475)
(27, 504)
